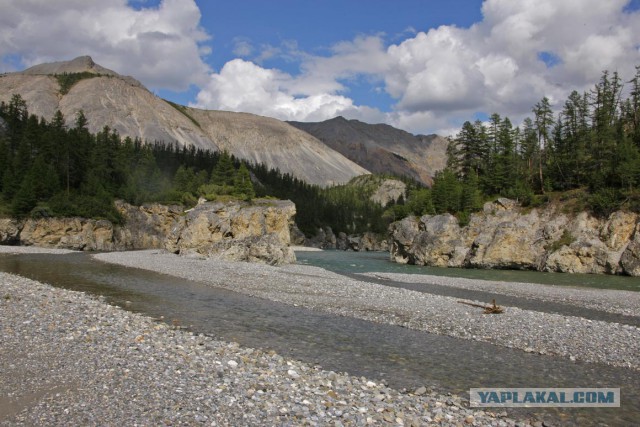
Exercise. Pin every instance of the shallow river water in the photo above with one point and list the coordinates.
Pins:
(402, 357)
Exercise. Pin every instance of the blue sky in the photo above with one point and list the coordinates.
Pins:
(424, 66)
(315, 26)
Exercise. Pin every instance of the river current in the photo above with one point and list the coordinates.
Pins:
(401, 357)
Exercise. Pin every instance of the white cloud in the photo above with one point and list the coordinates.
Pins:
(161, 46)
(437, 78)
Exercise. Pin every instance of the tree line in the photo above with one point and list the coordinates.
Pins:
(588, 153)
(51, 169)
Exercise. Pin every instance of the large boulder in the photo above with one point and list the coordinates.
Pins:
(9, 231)
(402, 235)
(237, 231)
(439, 242)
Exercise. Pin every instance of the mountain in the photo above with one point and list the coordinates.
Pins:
(381, 148)
(125, 105)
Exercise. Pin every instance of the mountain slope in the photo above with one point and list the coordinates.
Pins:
(125, 105)
(381, 148)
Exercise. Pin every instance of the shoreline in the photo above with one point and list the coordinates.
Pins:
(91, 363)
(317, 289)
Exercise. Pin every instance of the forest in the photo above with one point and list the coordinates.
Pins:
(53, 170)
(586, 157)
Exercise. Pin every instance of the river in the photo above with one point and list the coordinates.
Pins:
(403, 358)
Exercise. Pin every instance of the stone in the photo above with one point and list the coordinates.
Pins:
(503, 236)
(235, 231)
(9, 231)
(420, 391)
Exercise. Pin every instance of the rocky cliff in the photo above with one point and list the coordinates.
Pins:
(235, 231)
(125, 105)
(506, 236)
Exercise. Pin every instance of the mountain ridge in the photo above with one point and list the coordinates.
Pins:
(382, 148)
(125, 105)
(323, 153)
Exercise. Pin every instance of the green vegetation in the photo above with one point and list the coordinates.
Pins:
(67, 80)
(565, 240)
(51, 170)
(588, 155)
(182, 109)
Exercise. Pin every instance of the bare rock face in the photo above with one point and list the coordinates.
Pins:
(69, 233)
(502, 236)
(150, 226)
(9, 231)
(381, 148)
(390, 190)
(235, 231)
(257, 232)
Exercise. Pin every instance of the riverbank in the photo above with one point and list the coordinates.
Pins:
(71, 359)
(574, 338)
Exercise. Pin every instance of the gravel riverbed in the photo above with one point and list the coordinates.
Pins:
(71, 359)
(311, 287)
(613, 301)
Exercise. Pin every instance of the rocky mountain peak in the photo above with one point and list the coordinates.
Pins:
(81, 64)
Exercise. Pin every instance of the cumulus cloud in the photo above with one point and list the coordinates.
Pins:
(497, 65)
(161, 46)
(519, 52)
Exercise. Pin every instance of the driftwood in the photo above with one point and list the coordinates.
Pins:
(488, 309)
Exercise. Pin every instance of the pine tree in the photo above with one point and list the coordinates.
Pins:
(224, 172)
(242, 183)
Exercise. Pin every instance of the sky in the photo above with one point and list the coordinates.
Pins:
(425, 66)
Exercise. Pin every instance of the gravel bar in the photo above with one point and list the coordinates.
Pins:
(613, 301)
(14, 250)
(71, 359)
(315, 288)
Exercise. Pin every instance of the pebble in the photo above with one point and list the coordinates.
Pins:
(165, 378)
(531, 331)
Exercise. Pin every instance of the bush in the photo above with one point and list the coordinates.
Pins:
(604, 201)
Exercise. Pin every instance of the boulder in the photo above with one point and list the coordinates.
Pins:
(237, 231)
(438, 242)
(9, 231)
(402, 234)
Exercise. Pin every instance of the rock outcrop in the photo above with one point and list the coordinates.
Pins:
(325, 238)
(505, 236)
(235, 231)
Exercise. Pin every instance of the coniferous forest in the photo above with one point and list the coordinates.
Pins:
(50, 169)
(586, 156)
